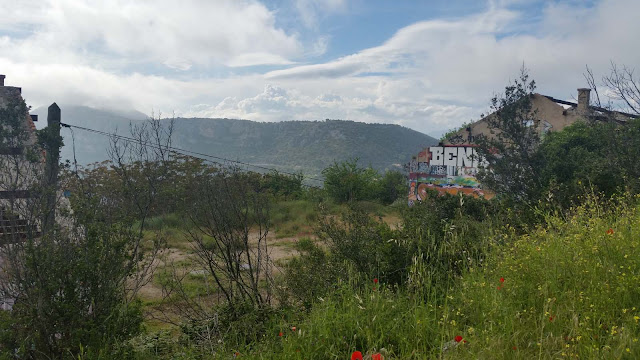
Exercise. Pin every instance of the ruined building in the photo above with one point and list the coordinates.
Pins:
(21, 165)
(451, 167)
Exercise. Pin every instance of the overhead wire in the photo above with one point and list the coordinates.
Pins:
(186, 152)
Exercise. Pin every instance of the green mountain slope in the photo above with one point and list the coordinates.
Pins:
(306, 146)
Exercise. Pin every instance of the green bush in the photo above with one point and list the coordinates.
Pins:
(346, 182)
(312, 275)
(71, 292)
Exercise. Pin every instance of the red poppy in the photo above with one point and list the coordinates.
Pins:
(501, 279)
(375, 280)
(377, 356)
(610, 231)
(458, 338)
(357, 355)
(293, 328)
(551, 318)
(500, 287)
(280, 333)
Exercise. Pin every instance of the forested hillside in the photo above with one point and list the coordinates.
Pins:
(306, 146)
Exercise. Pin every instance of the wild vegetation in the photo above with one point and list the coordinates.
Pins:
(173, 257)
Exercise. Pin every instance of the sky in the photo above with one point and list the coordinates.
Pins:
(426, 65)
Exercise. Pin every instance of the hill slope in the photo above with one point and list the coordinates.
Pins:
(306, 146)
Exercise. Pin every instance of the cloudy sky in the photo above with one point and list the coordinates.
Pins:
(428, 65)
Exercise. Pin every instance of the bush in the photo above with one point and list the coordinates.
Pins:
(312, 275)
(71, 291)
(347, 182)
(582, 157)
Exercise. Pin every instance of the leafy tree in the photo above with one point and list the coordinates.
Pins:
(73, 288)
(347, 182)
(510, 150)
(596, 155)
(392, 186)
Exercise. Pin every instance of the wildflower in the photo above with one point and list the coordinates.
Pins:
(460, 339)
(375, 280)
(551, 318)
(501, 280)
(377, 356)
(374, 288)
(610, 231)
(515, 348)
(293, 328)
(357, 355)
(280, 334)
(236, 354)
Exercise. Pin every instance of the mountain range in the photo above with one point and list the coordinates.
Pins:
(291, 146)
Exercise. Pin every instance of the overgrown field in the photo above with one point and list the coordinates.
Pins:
(568, 288)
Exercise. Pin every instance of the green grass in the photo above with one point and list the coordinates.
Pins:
(570, 290)
(290, 218)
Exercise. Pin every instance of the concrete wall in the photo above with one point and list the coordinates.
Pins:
(16, 172)
(550, 116)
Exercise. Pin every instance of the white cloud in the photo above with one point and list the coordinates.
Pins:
(198, 32)
(429, 76)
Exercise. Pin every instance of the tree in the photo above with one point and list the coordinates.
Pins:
(510, 151)
(600, 156)
(74, 288)
(392, 186)
(227, 221)
(621, 86)
(347, 182)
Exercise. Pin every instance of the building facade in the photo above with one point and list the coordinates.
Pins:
(21, 165)
(451, 167)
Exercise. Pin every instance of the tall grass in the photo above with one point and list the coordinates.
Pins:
(568, 289)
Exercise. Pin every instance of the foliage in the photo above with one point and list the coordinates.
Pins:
(312, 275)
(223, 212)
(346, 182)
(392, 186)
(441, 233)
(70, 289)
(282, 186)
(588, 156)
(14, 133)
(564, 290)
(449, 134)
(510, 150)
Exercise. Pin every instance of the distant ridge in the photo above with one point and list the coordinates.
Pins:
(305, 146)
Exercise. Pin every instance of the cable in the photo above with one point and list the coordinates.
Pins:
(73, 140)
(182, 151)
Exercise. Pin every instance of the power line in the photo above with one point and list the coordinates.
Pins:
(183, 151)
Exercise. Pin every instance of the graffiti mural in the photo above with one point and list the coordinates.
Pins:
(447, 169)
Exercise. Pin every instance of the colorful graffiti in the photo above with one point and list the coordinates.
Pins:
(446, 169)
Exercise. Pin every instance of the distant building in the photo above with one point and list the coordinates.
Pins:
(451, 167)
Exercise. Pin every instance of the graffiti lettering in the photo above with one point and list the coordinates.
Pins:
(460, 156)
(447, 169)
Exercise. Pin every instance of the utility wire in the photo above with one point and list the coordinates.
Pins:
(194, 154)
